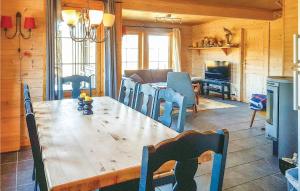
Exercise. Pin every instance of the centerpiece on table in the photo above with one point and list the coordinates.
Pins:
(87, 108)
(80, 101)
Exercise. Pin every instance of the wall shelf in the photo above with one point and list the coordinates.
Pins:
(223, 48)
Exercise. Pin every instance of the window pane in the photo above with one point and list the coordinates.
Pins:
(132, 55)
(75, 58)
(158, 51)
(130, 52)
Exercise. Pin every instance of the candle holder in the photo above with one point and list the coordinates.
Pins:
(80, 104)
(87, 108)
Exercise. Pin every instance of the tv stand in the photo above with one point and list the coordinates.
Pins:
(222, 87)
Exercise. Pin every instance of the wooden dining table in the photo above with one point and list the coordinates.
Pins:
(86, 152)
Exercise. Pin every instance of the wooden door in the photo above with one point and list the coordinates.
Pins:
(256, 61)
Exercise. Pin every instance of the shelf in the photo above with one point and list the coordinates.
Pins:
(223, 48)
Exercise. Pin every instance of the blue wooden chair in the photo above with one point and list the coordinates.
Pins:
(185, 150)
(170, 100)
(181, 82)
(257, 102)
(27, 98)
(76, 82)
(26, 92)
(128, 91)
(146, 97)
(40, 178)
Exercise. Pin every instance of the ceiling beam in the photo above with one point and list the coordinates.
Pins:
(182, 7)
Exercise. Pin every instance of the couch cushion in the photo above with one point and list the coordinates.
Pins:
(160, 75)
(144, 74)
(150, 76)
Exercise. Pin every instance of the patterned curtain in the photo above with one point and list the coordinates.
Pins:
(110, 56)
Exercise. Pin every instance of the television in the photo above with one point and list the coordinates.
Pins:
(217, 70)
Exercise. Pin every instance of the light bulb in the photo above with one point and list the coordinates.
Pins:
(95, 17)
(70, 17)
(108, 19)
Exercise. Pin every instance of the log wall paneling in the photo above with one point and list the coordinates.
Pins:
(276, 48)
(249, 34)
(290, 23)
(119, 24)
(17, 69)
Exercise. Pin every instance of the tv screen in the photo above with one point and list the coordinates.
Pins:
(218, 70)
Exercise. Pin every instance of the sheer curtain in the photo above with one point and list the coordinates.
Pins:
(176, 50)
(110, 56)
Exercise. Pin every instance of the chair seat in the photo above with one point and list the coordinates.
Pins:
(258, 102)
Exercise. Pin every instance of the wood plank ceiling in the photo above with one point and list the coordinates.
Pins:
(199, 11)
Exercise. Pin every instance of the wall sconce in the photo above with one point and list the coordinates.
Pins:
(6, 23)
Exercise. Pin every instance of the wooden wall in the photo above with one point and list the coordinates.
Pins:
(250, 62)
(186, 40)
(17, 69)
(290, 23)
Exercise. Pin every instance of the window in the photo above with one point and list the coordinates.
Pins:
(158, 52)
(130, 52)
(75, 58)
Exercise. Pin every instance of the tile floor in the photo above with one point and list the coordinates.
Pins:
(250, 164)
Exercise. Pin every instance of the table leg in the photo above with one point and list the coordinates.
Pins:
(223, 94)
(207, 89)
(229, 92)
(202, 88)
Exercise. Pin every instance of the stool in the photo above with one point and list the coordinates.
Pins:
(257, 103)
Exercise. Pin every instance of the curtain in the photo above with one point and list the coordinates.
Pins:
(50, 48)
(110, 55)
(53, 11)
(176, 50)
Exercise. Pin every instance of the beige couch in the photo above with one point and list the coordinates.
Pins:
(148, 76)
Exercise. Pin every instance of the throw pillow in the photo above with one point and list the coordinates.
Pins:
(137, 78)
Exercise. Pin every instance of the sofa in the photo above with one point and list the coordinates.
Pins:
(148, 76)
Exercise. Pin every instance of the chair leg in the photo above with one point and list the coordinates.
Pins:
(35, 185)
(253, 117)
(195, 108)
(33, 173)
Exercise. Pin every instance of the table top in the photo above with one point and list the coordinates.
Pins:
(159, 85)
(91, 151)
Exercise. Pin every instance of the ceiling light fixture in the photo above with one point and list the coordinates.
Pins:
(91, 20)
(168, 19)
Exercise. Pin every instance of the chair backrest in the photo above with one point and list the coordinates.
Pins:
(185, 150)
(26, 92)
(181, 82)
(146, 97)
(170, 100)
(35, 146)
(27, 96)
(128, 91)
(76, 81)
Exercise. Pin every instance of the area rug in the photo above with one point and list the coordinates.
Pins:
(206, 104)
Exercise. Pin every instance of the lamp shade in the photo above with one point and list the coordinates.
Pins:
(95, 17)
(29, 23)
(108, 19)
(70, 17)
(6, 22)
